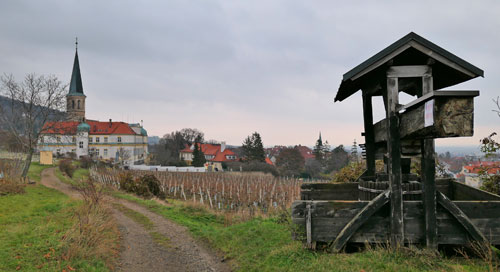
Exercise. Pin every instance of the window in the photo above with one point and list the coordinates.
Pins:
(58, 151)
(105, 139)
(78, 104)
(73, 150)
(119, 139)
(80, 144)
(74, 139)
(73, 104)
(58, 139)
(90, 139)
(97, 152)
(105, 152)
(42, 139)
(97, 139)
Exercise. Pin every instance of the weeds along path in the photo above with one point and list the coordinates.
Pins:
(149, 241)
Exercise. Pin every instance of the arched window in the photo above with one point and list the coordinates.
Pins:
(78, 104)
(73, 104)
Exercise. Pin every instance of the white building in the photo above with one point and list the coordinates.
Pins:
(111, 141)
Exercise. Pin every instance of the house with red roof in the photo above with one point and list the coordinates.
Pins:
(215, 154)
(472, 172)
(112, 141)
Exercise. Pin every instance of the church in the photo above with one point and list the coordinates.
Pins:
(111, 141)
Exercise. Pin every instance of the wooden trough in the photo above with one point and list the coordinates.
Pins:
(396, 206)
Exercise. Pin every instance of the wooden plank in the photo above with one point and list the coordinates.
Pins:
(462, 219)
(465, 192)
(434, 94)
(409, 71)
(358, 220)
(308, 226)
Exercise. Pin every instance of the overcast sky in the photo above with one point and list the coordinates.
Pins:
(232, 67)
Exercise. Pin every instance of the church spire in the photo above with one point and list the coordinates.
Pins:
(76, 87)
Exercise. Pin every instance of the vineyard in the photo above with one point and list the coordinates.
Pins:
(219, 191)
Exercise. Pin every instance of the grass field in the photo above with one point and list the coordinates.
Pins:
(32, 227)
(266, 245)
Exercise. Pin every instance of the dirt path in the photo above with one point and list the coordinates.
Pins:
(140, 252)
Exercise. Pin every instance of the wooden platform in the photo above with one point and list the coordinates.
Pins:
(332, 206)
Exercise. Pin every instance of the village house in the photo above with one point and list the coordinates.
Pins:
(111, 141)
(215, 154)
(472, 172)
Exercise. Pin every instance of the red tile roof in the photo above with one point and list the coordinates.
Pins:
(477, 167)
(212, 150)
(96, 128)
(305, 151)
(268, 161)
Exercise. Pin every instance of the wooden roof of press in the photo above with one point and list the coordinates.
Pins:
(412, 49)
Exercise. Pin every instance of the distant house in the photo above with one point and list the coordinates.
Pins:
(273, 152)
(472, 172)
(215, 154)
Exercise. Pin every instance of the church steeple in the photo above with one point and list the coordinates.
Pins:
(76, 86)
(75, 99)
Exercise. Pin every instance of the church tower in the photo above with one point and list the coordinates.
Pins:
(75, 99)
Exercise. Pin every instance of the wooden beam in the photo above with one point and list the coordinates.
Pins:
(431, 95)
(308, 226)
(394, 163)
(381, 61)
(463, 219)
(361, 217)
(440, 58)
(453, 117)
(428, 170)
(369, 134)
(409, 71)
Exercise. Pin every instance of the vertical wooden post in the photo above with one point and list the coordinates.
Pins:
(394, 162)
(369, 134)
(428, 179)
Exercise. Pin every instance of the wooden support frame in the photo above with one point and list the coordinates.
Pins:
(409, 71)
(361, 217)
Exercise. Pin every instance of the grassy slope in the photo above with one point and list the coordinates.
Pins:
(32, 225)
(266, 245)
(79, 174)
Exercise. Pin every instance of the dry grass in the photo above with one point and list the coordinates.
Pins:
(95, 233)
(11, 181)
(483, 251)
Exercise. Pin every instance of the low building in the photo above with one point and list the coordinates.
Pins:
(215, 154)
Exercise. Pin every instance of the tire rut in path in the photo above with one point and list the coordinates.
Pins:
(139, 251)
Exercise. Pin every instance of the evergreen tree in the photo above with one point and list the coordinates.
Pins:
(253, 148)
(318, 149)
(258, 148)
(198, 156)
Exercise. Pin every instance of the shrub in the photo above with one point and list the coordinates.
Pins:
(85, 162)
(153, 185)
(145, 186)
(8, 187)
(127, 183)
(66, 166)
(349, 173)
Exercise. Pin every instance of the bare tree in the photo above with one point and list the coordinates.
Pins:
(32, 103)
(123, 155)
